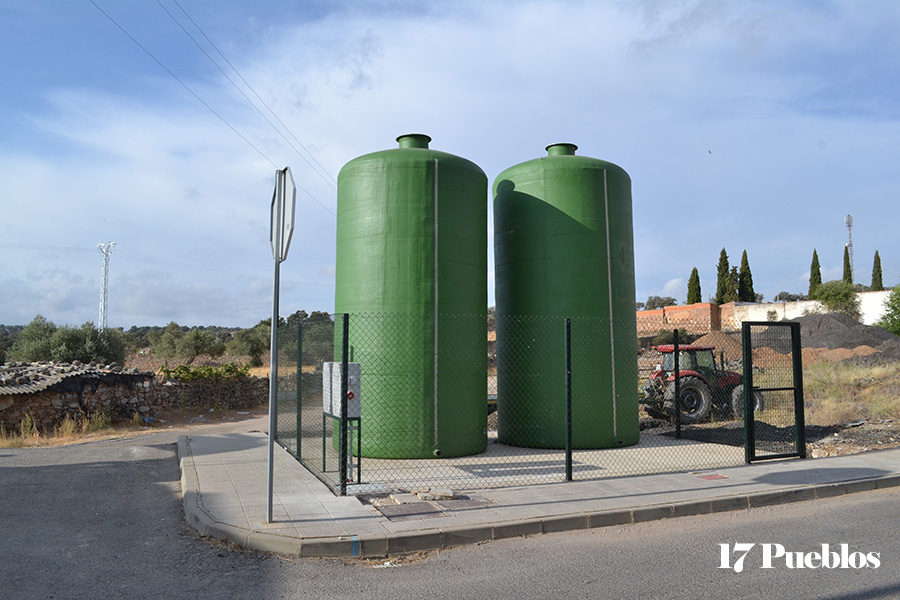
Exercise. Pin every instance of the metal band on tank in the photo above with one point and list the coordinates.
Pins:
(436, 279)
(612, 339)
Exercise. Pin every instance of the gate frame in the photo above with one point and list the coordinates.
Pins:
(749, 418)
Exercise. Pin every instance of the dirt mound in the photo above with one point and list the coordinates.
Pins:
(766, 358)
(840, 331)
(723, 343)
(836, 337)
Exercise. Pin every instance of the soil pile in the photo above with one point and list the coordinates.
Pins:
(723, 343)
(836, 337)
(840, 331)
(831, 337)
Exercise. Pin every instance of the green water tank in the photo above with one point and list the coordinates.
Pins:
(564, 247)
(412, 272)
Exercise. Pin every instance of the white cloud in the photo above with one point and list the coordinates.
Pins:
(752, 126)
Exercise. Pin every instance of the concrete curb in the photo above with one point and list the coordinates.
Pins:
(381, 546)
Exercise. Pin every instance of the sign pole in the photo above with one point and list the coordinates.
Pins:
(282, 228)
(273, 344)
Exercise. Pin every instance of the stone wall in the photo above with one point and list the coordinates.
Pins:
(121, 399)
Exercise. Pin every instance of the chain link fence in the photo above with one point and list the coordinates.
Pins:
(471, 402)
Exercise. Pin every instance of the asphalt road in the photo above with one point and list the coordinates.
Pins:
(104, 520)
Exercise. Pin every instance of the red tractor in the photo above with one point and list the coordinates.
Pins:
(704, 386)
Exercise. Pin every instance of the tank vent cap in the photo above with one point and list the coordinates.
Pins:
(561, 149)
(414, 140)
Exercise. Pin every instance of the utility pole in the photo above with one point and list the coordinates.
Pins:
(105, 249)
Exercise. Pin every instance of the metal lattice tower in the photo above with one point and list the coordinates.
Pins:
(848, 221)
(105, 249)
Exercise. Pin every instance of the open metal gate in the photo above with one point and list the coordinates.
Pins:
(774, 424)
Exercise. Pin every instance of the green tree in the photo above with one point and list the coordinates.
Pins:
(318, 339)
(252, 342)
(815, 276)
(877, 283)
(722, 278)
(196, 342)
(839, 297)
(693, 292)
(745, 281)
(730, 291)
(848, 272)
(41, 340)
(164, 344)
(788, 297)
(890, 320)
(297, 318)
(657, 302)
(33, 342)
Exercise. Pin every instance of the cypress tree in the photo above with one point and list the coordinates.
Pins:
(745, 281)
(722, 276)
(731, 294)
(693, 293)
(815, 276)
(877, 283)
(848, 272)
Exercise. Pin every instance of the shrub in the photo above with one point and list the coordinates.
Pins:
(226, 371)
(890, 320)
(839, 297)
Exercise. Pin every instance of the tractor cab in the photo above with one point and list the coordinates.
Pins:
(692, 360)
(704, 386)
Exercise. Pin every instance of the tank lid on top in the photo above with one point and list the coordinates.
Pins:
(561, 149)
(414, 140)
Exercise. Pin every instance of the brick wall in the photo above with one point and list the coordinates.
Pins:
(694, 318)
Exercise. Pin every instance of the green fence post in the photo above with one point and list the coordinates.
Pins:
(677, 385)
(345, 351)
(299, 383)
(568, 399)
(799, 416)
(747, 349)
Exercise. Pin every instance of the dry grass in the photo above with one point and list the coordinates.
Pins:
(69, 431)
(839, 392)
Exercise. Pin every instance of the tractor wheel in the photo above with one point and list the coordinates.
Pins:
(737, 402)
(696, 399)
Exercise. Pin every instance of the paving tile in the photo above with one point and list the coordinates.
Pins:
(227, 476)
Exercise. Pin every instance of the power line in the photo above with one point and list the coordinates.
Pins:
(287, 141)
(203, 102)
(321, 171)
(278, 131)
(183, 84)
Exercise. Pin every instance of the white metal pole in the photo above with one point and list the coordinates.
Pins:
(273, 344)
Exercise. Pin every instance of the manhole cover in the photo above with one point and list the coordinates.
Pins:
(408, 511)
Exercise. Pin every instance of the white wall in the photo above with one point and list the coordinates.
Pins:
(871, 306)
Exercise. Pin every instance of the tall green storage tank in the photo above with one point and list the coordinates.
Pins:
(564, 247)
(412, 245)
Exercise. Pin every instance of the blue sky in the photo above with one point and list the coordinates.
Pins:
(744, 125)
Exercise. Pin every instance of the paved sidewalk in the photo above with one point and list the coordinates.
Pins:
(223, 481)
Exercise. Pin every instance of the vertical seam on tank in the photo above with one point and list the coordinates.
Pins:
(436, 298)
(612, 342)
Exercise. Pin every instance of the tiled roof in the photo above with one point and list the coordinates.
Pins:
(28, 378)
